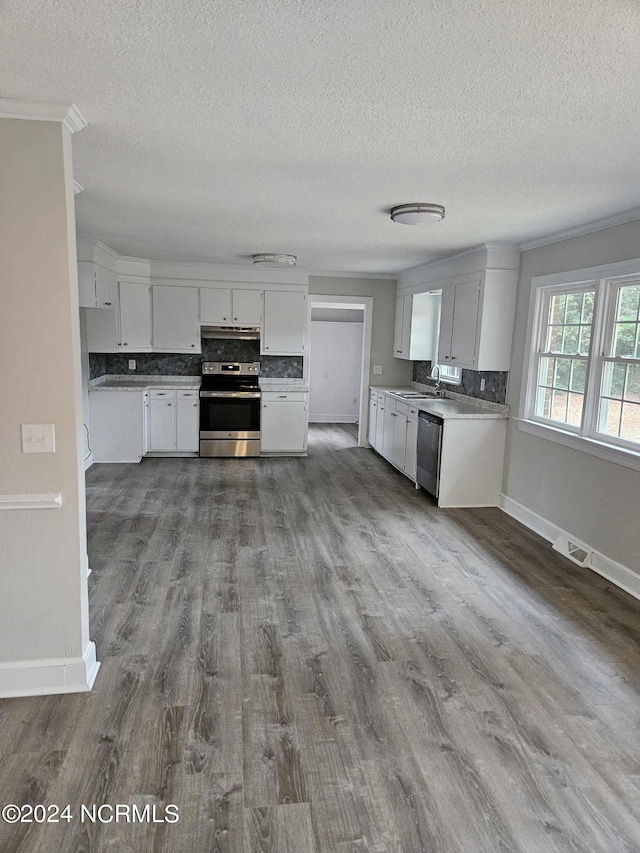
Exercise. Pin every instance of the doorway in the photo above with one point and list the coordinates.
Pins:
(337, 369)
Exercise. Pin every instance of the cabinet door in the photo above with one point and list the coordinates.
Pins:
(86, 285)
(465, 321)
(285, 323)
(175, 318)
(188, 425)
(247, 307)
(215, 306)
(378, 444)
(102, 331)
(135, 317)
(446, 325)
(105, 290)
(283, 426)
(397, 329)
(387, 438)
(162, 425)
(373, 411)
(399, 441)
(410, 456)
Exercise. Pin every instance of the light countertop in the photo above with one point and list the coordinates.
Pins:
(281, 386)
(141, 383)
(442, 407)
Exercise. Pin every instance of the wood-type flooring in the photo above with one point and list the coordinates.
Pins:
(304, 654)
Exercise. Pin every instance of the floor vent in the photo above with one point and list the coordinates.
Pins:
(575, 551)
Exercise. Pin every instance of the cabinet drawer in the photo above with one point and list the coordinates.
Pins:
(381, 396)
(402, 408)
(162, 394)
(413, 414)
(284, 396)
(192, 394)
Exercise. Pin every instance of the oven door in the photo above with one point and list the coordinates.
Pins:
(229, 414)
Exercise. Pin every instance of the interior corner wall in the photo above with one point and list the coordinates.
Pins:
(335, 356)
(395, 371)
(44, 637)
(595, 500)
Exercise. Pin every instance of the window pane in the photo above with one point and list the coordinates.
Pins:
(557, 308)
(625, 340)
(632, 391)
(574, 308)
(630, 425)
(587, 308)
(585, 340)
(543, 402)
(559, 406)
(555, 339)
(574, 409)
(562, 373)
(545, 372)
(613, 379)
(578, 376)
(628, 300)
(609, 421)
(571, 340)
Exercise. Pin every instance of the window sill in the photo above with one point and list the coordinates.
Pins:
(617, 455)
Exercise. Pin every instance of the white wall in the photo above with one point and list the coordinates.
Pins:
(44, 635)
(335, 371)
(595, 500)
(395, 371)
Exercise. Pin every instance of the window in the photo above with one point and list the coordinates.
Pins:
(584, 371)
(452, 375)
(619, 404)
(563, 355)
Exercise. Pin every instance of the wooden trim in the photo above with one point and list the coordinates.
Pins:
(46, 676)
(50, 501)
(616, 573)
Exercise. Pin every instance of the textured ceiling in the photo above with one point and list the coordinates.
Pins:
(218, 129)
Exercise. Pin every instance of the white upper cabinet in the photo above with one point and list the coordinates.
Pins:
(416, 325)
(135, 316)
(215, 306)
(102, 331)
(476, 322)
(175, 318)
(96, 286)
(285, 323)
(247, 307)
(230, 307)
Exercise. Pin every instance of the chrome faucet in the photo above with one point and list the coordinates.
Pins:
(435, 375)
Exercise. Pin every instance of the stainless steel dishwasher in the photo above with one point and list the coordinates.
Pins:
(429, 442)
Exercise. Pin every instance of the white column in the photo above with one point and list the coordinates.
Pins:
(44, 623)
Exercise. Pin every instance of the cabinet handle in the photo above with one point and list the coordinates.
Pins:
(192, 345)
(453, 358)
(283, 396)
(168, 404)
(266, 347)
(195, 404)
(224, 318)
(107, 303)
(446, 356)
(125, 345)
(264, 405)
(398, 350)
(235, 318)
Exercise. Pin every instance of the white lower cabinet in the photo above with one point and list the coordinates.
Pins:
(117, 425)
(173, 421)
(387, 436)
(188, 425)
(411, 452)
(373, 417)
(399, 439)
(284, 423)
(379, 437)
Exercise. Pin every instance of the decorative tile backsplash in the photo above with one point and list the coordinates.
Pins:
(496, 382)
(179, 364)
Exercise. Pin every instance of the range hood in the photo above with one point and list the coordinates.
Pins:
(231, 333)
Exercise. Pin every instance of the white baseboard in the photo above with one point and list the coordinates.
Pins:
(333, 419)
(615, 572)
(47, 676)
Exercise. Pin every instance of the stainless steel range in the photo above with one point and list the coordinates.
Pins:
(230, 409)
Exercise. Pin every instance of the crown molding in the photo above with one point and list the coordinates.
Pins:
(598, 225)
(341, 274)
(67, 114)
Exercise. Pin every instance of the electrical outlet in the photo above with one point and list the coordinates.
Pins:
(132, 364)
(377, 370)
(482, 383)
(38, 438)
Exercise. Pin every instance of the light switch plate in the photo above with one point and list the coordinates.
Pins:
(38, 438)
(377, 370)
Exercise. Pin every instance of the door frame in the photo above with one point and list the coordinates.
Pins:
(338, 301)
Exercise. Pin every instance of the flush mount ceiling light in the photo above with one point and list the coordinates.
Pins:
(418, 213)
(275, 259)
